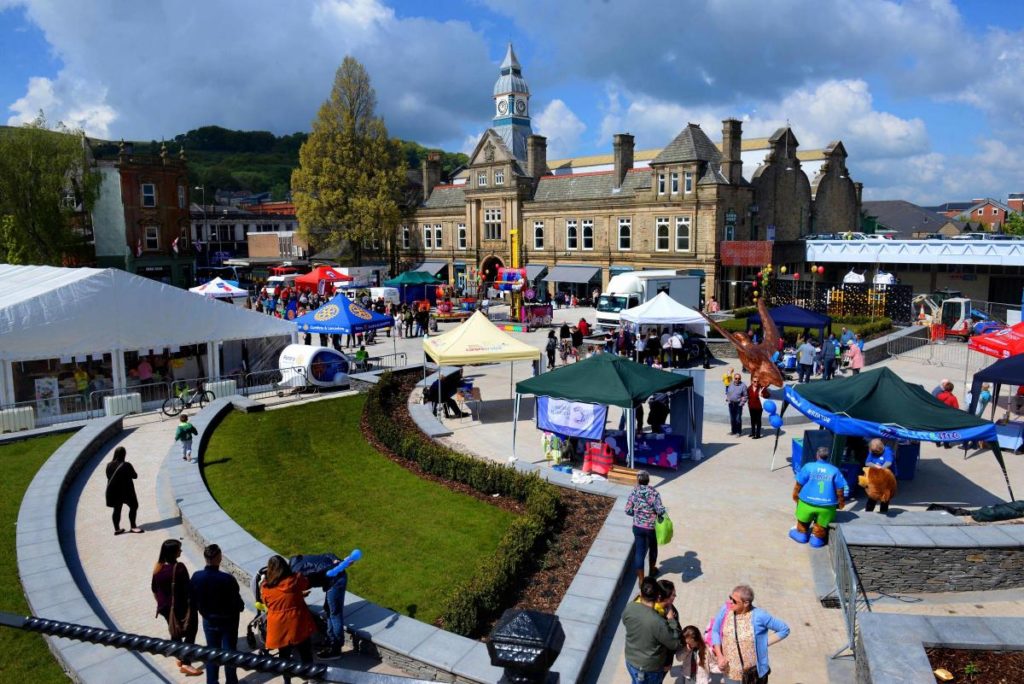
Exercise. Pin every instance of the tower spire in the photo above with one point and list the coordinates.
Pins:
(512, 105)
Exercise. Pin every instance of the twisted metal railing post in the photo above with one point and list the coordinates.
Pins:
(189, 652)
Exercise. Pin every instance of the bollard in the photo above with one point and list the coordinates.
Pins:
(526, 644)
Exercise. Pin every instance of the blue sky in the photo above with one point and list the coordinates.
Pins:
(924, 94)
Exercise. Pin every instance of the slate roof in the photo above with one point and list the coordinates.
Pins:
(907, 218)
(692, 144)
(713, 176)
(995, 203)
(951, 206)
(589, 186)
(446, 196)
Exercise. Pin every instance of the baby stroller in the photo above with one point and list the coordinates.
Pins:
(256, 630)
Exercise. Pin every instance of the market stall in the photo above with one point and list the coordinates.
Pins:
(864, 406)
(415, 285)
(792, 316)
(1008, 371)
(221, 289)
(582, 392)
(342, 316)
(664, 311)
(320, 276)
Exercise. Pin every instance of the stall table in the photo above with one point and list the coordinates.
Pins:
(651, 449)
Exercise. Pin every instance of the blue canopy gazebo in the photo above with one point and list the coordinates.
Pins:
(792, 316)
(342, 316)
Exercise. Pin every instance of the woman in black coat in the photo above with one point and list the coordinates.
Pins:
(121, 490)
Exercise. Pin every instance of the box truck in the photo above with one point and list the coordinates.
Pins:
(627, 290)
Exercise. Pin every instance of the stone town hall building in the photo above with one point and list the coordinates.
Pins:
(581, 221)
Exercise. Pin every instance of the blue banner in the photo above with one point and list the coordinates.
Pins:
(845, 425)
(571, 418)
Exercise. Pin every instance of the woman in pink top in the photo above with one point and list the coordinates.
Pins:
(856, 357)
(145, 370)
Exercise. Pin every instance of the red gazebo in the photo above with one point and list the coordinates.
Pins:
(1001, 344)
(322, 273)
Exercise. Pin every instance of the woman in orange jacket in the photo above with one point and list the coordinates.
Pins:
(289, 622)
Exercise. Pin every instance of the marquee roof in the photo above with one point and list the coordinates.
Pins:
(48, 312)
(477, 340)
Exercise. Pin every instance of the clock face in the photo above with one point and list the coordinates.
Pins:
(520, 106)
(502, 107)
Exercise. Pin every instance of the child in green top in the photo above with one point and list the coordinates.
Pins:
(184, 435)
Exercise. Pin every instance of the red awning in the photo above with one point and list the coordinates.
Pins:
(319, 273)
(1001, 344)
(746, 252)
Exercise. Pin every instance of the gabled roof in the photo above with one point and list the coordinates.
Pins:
(49, 313)
(951, 206)
(989, 201)
(445, 196)
(692, 144)
(713, 176)
(599, 185)
(906, 218)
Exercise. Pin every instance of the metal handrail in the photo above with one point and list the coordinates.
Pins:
(150, 393)
(851, 596)
(70, 407)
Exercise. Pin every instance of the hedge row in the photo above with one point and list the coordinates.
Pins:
(866, 328)
(478, 601)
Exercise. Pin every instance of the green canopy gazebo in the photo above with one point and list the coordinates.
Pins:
(606, 379)
(412, 278)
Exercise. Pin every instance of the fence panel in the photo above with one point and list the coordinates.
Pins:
(45, 411)
(851, 599)
(384, 361)
(275, 382)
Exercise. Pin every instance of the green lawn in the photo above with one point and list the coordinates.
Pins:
(25, 656)
(303, 480)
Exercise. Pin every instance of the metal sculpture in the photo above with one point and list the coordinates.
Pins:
(756, 357)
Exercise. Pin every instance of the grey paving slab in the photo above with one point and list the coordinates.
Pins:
(80, 655)
(32, 565)
(476, 665)
(41, 597)
(1009, 631)
(890, 642)
(34, 525)
(951, 537)
(867, 535)
(570, 665)
(28, 548)
(44, 580)
(991, 535)
(249, 553)
(582, 609)
(962, 632)
(200, 520)
(225, 532)
(579, 636)
(368, 619)
(592, 587)
(70, 611)
(908, 535)
(604, 548)
(1015, 532)
(404, 634)
(443, 650)
(616, 533)
(602, 567)
(122, 666)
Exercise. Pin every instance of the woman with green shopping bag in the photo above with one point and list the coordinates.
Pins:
(645, 507)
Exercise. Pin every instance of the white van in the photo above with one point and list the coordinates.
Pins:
(390, 294)
(275, 282)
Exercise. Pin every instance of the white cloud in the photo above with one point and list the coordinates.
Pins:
(562, 128)
(73, 103)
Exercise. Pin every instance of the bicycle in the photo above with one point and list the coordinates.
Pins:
(184, 399)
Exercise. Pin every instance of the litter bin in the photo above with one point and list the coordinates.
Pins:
(905, 460)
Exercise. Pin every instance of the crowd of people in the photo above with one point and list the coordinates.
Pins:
(667, 348)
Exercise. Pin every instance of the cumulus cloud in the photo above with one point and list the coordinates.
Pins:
(148, 70)
(562, 128)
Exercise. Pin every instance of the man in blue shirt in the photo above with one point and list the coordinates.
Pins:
(828, 357)
(846, 338)
(216, 597)
(819, 490)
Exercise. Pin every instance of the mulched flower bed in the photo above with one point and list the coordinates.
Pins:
(979, 667)
(555, 571)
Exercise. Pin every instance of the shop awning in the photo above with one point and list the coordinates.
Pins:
(573, 274)
(534, 271)
(431, 267)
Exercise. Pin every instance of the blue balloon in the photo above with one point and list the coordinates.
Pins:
(776, 421)
(769, 406)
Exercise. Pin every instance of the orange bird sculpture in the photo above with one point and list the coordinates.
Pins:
(756, 358)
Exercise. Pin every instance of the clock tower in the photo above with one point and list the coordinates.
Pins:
(512, 106)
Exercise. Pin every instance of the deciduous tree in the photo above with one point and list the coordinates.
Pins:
(1014, 224)
(350, 174)
(47, 189)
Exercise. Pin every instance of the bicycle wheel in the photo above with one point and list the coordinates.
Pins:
(173, 406)
(204, 398)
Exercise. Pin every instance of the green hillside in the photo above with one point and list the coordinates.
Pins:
(257, 161)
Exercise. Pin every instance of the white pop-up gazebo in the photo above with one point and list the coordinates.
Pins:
(663, 310)
(70, 313)
(219, 288)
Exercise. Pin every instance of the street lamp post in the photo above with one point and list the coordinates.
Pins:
(202, 189)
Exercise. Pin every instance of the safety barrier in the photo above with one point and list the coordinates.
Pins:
(267, 383)
(384, 361)
(851, 599)
(151, 394)
(25, 415)
(944, 352)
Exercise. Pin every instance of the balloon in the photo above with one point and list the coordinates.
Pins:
(782, 270)
(776, 420)
(769, 406)
(349, 560)
(760, 273)
(821, 270)
(796, 276)
(755, 293)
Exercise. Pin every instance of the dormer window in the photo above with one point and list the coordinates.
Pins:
(675, 182)
(661, 184)
(688, 182)
(499, 177)
(481, 180)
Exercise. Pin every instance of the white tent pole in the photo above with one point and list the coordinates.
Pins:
(631, 432)
(511, 371)
(211, 352)
(515, 421)
(120, 378)
(7, 383)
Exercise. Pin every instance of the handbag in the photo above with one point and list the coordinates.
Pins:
(748, 676)
(178, 627)
(663, 530)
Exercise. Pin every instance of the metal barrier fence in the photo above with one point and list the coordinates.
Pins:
(385, 361)
(152, 394)
(139, 643)
(268, 383)
(48, 410)
(851, 599)
(948, 353)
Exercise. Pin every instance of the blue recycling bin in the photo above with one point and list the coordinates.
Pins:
(905, 460)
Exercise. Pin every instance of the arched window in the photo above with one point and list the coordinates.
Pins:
(538, 235)
(588, 234)
(661, 234)
(571, 234)
(625, 234)
(682, 233)
(406, 238)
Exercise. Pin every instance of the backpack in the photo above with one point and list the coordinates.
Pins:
(552, 344)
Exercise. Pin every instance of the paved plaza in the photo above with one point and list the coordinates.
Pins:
(731, 515)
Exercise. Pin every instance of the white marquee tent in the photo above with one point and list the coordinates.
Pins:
(48, 312)
(663, 310)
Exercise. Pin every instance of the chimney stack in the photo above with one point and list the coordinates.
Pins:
(732, 159)
(622, 147)
(536, 156)
(431, 173)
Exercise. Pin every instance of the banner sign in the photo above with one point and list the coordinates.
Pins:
(571, 418)
(845, 425)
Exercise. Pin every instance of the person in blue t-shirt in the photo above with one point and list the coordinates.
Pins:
(879, 456)
(819, 490)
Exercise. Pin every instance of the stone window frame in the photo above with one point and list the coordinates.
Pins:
(406, 238)
(499, 177)
(492, 224)
(659, 223)
(572, 235)
(587, 233)
(687, 223)
(730, 232)
(687, 182)
(428, 237)
(538, 235)
(461, 229)
(181, 197)
(438, 236)
(625, 232)
(674, 187)
(148, 199)
(661, 184)
(481, 179)
(151, 238)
